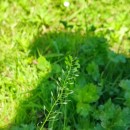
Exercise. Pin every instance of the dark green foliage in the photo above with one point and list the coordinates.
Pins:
(99, 100)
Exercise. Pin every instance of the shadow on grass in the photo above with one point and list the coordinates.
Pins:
(99, 65)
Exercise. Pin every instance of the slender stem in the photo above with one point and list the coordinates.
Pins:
(65, 114)
(57, 100)
(50, 111)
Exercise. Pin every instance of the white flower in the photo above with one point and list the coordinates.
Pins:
(66, 4)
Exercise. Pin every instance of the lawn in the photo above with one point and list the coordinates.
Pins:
(64, 65)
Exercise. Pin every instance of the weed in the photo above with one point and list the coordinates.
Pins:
(36, 85)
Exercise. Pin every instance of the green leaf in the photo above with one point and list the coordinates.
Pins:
(93, 70)
(125, 84)
(83, 109)
(43, 64)
(84, 96)
(116, 58)
(112, 116)
(88, 94)
(107, 110)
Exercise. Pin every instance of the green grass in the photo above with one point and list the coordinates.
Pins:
(35, 39)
